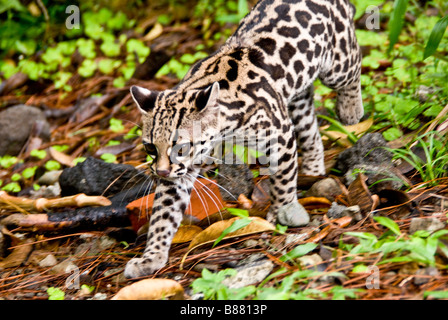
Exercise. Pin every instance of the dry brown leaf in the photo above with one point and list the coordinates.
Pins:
(61, 157)
(314, 201)
(151, 289)
(186, 233)
(322, 234)
(17, 256)
(245, 202)
(359, 194)
(211, 233)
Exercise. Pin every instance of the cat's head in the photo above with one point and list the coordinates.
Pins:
(178, 127)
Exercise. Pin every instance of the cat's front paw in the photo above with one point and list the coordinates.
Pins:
(146, 265)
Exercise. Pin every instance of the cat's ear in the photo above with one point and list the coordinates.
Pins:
(208, 97)
(144, 98)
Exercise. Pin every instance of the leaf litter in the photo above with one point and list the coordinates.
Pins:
(375, 256)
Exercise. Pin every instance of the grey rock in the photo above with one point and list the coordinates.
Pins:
(337, 211)
(379, 176)
(48, 192)
(327, 188)
(63, 267)
(16, 124)
(293, 215)
(424, 275)
(310, 260)
(428, 224)
(250, 274)
(49, 178)
(369, 149)
(48, 261)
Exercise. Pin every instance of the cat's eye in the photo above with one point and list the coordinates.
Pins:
(150, 149)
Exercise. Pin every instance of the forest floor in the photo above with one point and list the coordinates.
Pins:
(383, 242)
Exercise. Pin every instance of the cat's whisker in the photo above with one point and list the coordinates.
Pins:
(219, 186)
(212, 197)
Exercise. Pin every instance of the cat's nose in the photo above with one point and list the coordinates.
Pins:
(163, 173)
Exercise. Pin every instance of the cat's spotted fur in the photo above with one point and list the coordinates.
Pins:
(260, 80)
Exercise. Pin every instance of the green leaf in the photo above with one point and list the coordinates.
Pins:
(392, 134)
(16, 177)
(236, 225)
(116, 125)
(55, 294)
(435, 37)
(108, 157)
(436, 294)
(396, 21)
(87, 68)
(52, 165)
(238, 212)
(299, 251)
(389, 223)
(8, 161)
(12, 187)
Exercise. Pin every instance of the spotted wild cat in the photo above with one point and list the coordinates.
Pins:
(260, 80)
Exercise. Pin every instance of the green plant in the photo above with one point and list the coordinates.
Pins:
(236, 225)
(7, 161)
(55, 294)
(435, 162)
(420, 247)
(213, 288)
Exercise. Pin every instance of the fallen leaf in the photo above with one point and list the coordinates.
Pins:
(212, 233)
(151, 289)
(186, 233)
(314, 201)
(245, 202)
(61, 157)
(359, 194)
(322, 234)
(17, 256)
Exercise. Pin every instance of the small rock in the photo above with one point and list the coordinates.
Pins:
(106, 242)
(209, 266)
(428, 224)
(49, 178)
(65, 266)
(250, 274)
(423, 275)
(251, 259)
(423, 93)
(48, 192)
(337, 211)
(16, 124)
(296, 237)
(327, 188)
(99, 296)
(310, 260)
(293, 215)
(48, 261)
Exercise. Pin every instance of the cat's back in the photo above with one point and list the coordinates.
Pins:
(292, 19)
